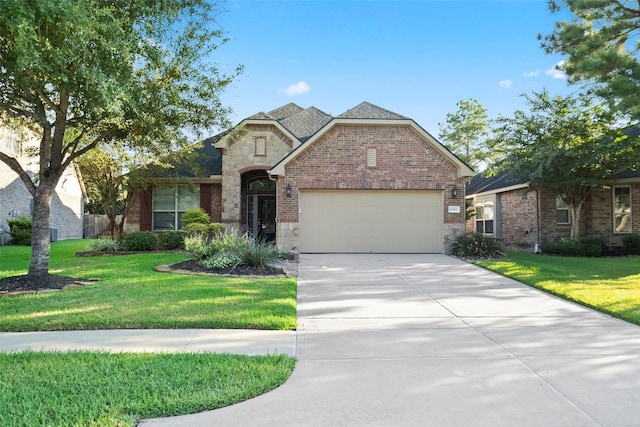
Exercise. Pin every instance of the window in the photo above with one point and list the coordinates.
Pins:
(261, 146)
(562, 211)
(622, 209)
(170, 203)
(485, 217)
(9, 142)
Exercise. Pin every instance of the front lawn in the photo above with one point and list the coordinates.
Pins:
(95, 388)
(610, 285)
(102, 389)
(130, 294)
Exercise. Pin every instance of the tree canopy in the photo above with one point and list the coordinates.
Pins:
(602, 48)
(466, 132)
(85, 72)
(565, 145)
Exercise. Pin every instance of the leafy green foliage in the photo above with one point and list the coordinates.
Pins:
(258, 254)
(82, 74)
(86, 389)
(220, 261)
(466, 133)
(631, 244)
(171, 240)
(600, 43)
(196, 216)
(20, 230)
(140, 241)
(582, 247)
(566, 146)
(104, 245)
(475, 245)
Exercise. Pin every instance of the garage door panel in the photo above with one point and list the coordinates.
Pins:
(371, 221)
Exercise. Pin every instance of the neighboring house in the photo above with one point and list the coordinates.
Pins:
(523, 217)
(367, 180)
(67, 203)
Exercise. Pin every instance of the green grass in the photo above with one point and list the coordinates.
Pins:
(130, 294)
(610, 285)
(102, 389)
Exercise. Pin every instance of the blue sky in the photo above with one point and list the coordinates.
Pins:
(417, 58)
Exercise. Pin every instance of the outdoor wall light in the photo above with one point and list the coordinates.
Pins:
(288, 190)
(454, 191)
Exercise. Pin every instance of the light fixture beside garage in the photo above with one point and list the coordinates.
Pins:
(454, 191)
(288, 191)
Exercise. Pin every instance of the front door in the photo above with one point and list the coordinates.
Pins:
(261, 218)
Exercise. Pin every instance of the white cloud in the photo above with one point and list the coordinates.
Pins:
(297, 89)
(533, 73)
(505, 83)
(556, 71)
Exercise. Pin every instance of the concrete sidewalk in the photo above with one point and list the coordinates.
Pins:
(250, 342)
(428, 340)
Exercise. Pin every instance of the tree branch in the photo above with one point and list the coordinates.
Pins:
(17, 168)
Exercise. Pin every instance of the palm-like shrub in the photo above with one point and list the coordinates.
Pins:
(475, 245)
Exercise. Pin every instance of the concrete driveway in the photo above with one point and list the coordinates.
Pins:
(427, 340)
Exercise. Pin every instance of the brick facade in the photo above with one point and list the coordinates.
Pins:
(520, 212)
(337, 161)
(309, 149)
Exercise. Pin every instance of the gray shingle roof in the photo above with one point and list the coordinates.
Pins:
(285, 111)
(481, 183)
(306, 123)
(366, 110)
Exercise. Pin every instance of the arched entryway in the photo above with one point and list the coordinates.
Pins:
(259, 205)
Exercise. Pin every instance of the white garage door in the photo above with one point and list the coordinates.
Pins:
(385, 221)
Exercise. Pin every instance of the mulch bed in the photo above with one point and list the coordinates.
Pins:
(26, 283)
(241, 270)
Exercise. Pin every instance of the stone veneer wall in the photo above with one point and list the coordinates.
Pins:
(240, 157)
(338, 160)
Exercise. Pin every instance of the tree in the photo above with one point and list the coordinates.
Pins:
(601, 44)
(87, 72)
(566, 146)
(466, 133)
(116, 177)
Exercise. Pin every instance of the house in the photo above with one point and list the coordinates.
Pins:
(67, 204)
(509, 209)
(367, 180)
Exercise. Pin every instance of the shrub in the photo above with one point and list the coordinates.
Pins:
(231, 242)
(631, 244)
(171, 240)
(475, 245)
(140, 241)
(104, 245)
(583, 247)
(20, 230)
(199, 246)
(211, 230)
(220, 260)
(258, 254)
(195, 216)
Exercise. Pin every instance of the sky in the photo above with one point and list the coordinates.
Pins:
(417, 58)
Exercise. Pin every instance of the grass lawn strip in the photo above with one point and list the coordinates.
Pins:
(120, 389)
(130, 294)
(610, 285)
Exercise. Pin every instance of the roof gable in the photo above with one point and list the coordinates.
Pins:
(285, 111)
(306, 122)
(366, 110)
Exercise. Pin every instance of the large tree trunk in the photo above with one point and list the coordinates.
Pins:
(41, 234)
(574, 214)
